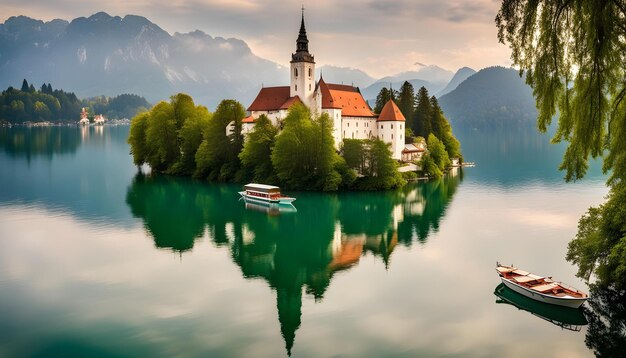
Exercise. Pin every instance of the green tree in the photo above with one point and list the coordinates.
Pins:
(354, 153)
(304, 156)
(383, 97)
(217, 157)
(371, 160)
(162, 138)
(183, 107)
(382, 169)
(256, 156)
(24, 86)
(573, 53)
(190, 137)
(437, 151)
(406, 102)
(137, 138)
(442, 129)
(430, 168)
(42, 112)
(600, 244)
(423, 112)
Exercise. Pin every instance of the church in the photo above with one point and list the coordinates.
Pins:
(351, 115)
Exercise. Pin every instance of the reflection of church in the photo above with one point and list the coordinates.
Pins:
(295, 254)
(349, 112)
(292, 266)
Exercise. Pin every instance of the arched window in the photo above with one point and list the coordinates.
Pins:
(296, 87)
(295, 72)
(309, 71)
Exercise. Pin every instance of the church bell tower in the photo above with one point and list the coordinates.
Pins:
(302, 69)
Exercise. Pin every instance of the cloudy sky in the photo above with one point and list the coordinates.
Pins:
(379, 37)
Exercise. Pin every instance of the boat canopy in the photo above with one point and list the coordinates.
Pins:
(262, 188)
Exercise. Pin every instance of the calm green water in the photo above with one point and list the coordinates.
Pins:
(98, 259)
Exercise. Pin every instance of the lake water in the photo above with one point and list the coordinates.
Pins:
(98, 259)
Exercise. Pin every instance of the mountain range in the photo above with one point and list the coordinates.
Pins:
(461, 75)
(110, 55)
(493, 98)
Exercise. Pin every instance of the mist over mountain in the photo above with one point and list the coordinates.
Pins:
(432, 73)
(461, 75)
(434, 78)
(335, 74)
(109, 55)
(492, 98)
(370, 92)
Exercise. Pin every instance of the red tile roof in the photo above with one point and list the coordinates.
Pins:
(290, 102)
(248, 119)
(344, 97)
(390, 112)
(270, 99)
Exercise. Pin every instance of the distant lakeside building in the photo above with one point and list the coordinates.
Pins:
(352, 117)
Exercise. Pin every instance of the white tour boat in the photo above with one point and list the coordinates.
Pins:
(264, 194)
(539, 288)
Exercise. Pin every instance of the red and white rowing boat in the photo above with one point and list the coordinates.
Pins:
(539, 288)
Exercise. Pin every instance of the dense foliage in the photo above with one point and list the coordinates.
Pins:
(304, 155)
(436, 159)
(168, 136)
(371, 160)
(574, 53)
(183, 139)
(406, 100)
(217, 157)
(28, 104)
(425, 119)
(383, 97)
(122, 106)
(52, 105)
(420, 123)
(256, 156)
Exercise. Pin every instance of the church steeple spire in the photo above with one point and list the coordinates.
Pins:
(302, 45)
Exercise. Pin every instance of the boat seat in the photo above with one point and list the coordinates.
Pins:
(545, 287)
(521, 272)
(523, 279)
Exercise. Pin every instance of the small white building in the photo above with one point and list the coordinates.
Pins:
(99, 119)
(351, 115)
(84, 120)
(413, 152)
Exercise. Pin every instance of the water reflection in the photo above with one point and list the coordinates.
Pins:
(297, 252)
(564, 317)
(510, 158)
(606, 334)
(39, 141)
(83, 171)
(270, 209)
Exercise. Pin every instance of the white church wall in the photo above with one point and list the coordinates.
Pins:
(303, 82)
(335, 116)
(392, 132)
(358, 127)
(274, 116)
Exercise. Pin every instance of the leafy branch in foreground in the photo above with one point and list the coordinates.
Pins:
(573, 53)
